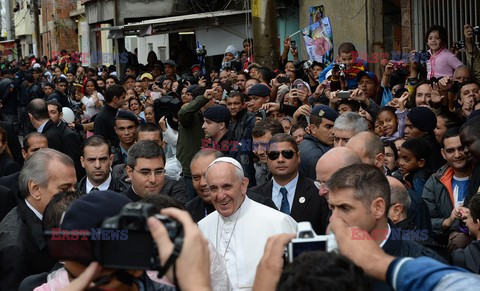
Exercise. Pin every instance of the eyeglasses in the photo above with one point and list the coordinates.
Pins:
(320, 185)
(147, 173)
(287, 154)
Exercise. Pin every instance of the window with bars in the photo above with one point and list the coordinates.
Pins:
(451, 14)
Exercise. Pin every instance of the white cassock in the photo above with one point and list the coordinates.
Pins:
(241, 238)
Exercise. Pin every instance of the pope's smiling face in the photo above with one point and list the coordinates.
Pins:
(227, 189)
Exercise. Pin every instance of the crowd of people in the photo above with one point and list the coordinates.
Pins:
(389, 164)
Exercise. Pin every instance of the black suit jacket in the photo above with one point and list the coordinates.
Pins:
(7, 165)
(11, 182)
(198, 209)
(22, 247)
(54, 136)
(7, 201)
(172, 188)
(72, 147)
(82, 186)
(314, 209)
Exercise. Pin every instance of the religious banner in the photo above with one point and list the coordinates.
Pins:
(318, 39)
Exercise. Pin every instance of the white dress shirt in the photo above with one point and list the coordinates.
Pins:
(41, 127)
(37, 213)
(102, 187)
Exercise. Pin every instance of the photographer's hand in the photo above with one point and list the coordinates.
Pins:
(363, 251)
(270, 106)
(302, 110)
(193, 264)
(209, 94)
(202, 82)
(270, 267)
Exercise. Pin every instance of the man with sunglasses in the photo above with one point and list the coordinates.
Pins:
(320, 139)
(292, 193)
(146, 170)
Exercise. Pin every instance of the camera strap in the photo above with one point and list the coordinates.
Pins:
(178, 243)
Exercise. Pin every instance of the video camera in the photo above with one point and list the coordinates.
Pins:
(134, 249)
(308, 241)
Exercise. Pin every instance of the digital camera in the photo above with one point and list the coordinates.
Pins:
(307, 64)
(131, 248)
(308, 241)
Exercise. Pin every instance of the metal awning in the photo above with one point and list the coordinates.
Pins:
(173, 19)
(120, 27)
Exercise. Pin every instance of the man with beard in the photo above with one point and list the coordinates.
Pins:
(446, 190)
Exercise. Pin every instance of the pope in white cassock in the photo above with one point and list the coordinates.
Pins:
(240, 227)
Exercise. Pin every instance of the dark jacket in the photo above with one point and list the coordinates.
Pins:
(13, 142)
(11, 182)
(54, 136)
(7, 201)
(7, 165)
(104, 124)
(231, 147)
(408, 248)
(198, 209)
(59, 97)
(468, 258)
(114, 185)
(190, 132)
(242, 129)
(311, 150)
(436, 160)
(8, 95)
(314, 207)
(172, 188)
(438, 196)
(72, 146)
(22, 247)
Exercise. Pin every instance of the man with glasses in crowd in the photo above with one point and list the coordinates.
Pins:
(146, 170)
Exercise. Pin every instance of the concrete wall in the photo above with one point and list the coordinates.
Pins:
(348, 19)
(159, 40)
(216, 40)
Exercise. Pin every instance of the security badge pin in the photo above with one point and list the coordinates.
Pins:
(301, 200)
(321, 113)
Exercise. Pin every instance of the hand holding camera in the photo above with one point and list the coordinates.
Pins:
(209, 93)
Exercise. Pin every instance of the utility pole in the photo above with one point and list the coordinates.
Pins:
(265, 33)
(36, 30)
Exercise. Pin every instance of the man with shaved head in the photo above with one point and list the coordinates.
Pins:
(369, 147)
(332, 161)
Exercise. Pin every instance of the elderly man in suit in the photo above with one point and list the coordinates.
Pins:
(240, 227)
(292, 193)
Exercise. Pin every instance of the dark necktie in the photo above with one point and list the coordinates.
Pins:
(285, 207)
(94, 189)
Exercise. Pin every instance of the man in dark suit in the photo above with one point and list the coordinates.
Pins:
(38, 113)
(292, 193)
(97, 160)
(201, 206)
(71, 139)
(104, 123)
(146, 170)
(43, 175)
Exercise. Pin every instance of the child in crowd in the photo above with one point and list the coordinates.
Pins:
(352, 65)
(412, 160)
(391, 156)
(442, 62)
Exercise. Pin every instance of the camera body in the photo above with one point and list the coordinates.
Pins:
(293, 44)
(343, 94)
(307, 64)
(459, 44)
(261, 113)
(122, 242)
(140, 253)
(308, 241)
(476, 30)
(167, 106)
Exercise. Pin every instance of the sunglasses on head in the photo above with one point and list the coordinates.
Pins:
(287, 154)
